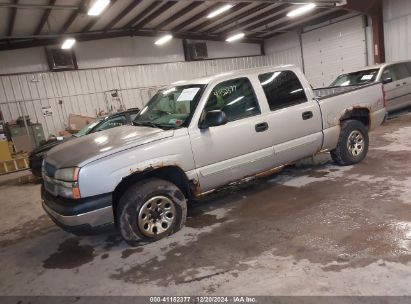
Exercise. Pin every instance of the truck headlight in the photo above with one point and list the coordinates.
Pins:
(67, 174)
(67, 179)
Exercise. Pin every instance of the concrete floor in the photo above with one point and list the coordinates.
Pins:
(314, 229)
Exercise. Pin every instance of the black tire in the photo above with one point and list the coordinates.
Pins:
(342, 155)
(136, 197)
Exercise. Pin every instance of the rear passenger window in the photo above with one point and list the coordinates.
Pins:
(236, 98)
(401, 71)
(282, 89)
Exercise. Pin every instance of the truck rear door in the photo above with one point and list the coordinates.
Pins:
(295, 118)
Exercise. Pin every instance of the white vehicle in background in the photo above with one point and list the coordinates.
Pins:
(395, 76)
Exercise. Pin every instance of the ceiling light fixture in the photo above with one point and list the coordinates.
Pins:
(301, 10)
(219, 11)
(68, 43)
(235, 37)
(164, 39)
(98, 7)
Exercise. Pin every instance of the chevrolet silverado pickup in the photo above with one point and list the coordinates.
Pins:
(196, 136)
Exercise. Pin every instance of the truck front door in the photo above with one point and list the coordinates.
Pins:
(240, 148)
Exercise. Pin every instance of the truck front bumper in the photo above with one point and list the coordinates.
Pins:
(84, 216)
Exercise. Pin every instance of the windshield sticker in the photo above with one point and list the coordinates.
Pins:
(188, 94)
(367, 77)
(224, 91)
(175, 121)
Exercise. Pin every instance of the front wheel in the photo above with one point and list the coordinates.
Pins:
(150, 210)
(352, 145)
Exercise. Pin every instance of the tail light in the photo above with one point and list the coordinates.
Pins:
(384, 94)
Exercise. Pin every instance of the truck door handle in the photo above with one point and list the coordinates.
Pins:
(398, 85)
(261, 127)
(404, 83)
(307, 115)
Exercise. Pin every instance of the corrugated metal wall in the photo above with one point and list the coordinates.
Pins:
(397, 29)
(84, 92)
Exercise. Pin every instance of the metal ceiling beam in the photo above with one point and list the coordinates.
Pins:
(321, 2)
(44, 18)
(95, 19)
(238, 17)
(31, 41)
(197, 16)
(72, 17)
(122, 14)
(141, 15)
(233, 10)
(157, 13)
(290, 25)
(267, 14)
(271, 18)
(12, 19)
(178, 15)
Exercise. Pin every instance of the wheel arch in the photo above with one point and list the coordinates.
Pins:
(173, 174)
(361, 114)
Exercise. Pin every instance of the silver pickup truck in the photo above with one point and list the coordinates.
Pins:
(196, 136)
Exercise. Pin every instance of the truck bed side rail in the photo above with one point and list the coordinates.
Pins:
(322, 93)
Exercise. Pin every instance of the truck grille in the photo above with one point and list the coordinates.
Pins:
(49, 169)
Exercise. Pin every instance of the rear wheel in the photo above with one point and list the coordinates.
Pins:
(352, 145)
(150, 210)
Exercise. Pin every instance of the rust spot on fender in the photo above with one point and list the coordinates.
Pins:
(151, 167)
(195, 187)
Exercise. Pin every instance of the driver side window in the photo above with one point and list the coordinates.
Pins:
(236, 98)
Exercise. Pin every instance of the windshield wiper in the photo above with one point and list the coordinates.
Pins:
(147, 124)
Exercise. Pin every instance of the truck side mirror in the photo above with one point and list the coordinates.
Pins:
(212, 119)
(387, 80)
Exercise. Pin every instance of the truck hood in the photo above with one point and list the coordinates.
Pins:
(83, 150)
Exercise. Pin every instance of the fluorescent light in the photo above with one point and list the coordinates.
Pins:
(296, 91)
(235, 101)
(302, 10)
(166, 92)
(68, 43)
(163, 39)
(98, 7)
(271, 79)
(219, 11)
(235, 37)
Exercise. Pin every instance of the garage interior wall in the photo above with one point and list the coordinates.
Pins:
(85, 91)
(397, 29)
(136, 68)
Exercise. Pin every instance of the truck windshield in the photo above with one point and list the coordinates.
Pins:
(170, 108)
(356, 78)
(87, 128)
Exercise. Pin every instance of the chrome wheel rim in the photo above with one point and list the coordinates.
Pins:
(355, 143)
(156, 216)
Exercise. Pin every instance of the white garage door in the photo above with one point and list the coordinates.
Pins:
(335, 49)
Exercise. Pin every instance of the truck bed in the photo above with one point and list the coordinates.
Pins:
(322, 93)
